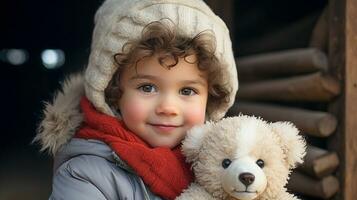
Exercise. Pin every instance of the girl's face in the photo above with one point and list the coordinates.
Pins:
(159, 104)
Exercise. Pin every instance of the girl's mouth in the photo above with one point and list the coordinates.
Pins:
(164, 127)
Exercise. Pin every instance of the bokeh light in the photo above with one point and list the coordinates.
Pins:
(15, 56)
(53, 58)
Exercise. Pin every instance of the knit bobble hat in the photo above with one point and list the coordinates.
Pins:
(118, 21)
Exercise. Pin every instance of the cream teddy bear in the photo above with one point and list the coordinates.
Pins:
(242, 158)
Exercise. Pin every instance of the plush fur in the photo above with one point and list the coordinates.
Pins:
(62, 117)
(243, 140)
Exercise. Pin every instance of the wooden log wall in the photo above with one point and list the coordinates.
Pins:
(303, 79)
(342, 50)
(292, 84)
(271, 83)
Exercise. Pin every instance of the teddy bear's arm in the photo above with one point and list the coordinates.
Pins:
(195, 192)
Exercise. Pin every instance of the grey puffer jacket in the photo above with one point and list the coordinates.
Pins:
(84, 169)
(89, 169)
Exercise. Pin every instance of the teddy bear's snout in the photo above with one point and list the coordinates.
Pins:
(246, 178)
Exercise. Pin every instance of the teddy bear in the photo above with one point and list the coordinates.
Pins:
(242, 158)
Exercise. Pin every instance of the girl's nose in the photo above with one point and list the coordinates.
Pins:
(167, 106)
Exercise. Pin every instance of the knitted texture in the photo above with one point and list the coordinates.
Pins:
(162, 169)
(118, 21)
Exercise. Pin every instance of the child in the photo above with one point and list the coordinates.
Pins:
(156, 68)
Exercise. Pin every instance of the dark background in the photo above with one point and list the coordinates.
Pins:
(67, 25)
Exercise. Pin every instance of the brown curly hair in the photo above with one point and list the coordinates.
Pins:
(160, 38)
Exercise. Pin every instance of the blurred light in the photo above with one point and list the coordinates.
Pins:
(53, 58)
(2, 55)
(15, 56)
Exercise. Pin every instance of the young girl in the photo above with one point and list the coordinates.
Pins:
(156, 69)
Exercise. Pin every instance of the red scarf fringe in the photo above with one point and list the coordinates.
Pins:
(164, 170)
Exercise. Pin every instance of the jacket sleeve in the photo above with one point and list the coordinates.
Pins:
(73, 183)
(90, 177)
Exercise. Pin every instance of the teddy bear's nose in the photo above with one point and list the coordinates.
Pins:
(246, 178)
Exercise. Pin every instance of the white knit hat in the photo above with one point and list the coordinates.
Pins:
(118, 21)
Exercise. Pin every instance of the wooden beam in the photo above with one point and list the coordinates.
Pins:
(281, 63)
(343, 64)
(318, 162)
(315, 87)
(324, 188)
(319, 36)
(351, 101)
(313, 123)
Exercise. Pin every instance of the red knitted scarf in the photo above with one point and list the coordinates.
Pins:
(164, 170)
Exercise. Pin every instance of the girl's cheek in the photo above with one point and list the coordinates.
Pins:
(134, 110)
(195, 115)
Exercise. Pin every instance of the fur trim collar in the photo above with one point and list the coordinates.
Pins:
(62, 116)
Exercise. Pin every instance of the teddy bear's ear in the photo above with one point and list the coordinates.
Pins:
(293, 144)
(191, 145)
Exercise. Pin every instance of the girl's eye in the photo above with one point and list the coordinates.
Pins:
(188, 91)
(147, 88)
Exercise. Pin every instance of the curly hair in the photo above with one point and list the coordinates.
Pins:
(160, 38)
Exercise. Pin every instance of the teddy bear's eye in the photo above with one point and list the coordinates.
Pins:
(226, 162)
(260, 163)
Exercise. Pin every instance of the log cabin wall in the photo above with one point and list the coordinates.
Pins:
(297, 61)
(342, 48)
